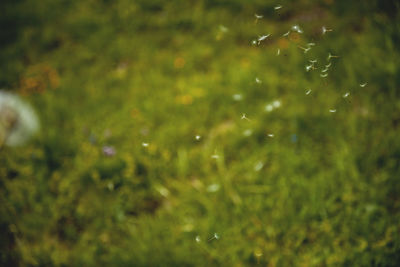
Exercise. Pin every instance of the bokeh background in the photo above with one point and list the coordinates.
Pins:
(169, 138)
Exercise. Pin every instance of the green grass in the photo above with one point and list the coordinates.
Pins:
(324, 191)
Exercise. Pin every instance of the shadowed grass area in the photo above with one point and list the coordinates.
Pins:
(289, 168)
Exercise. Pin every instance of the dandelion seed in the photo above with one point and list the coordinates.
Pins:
(263, 37)
(215, 236)
(110, 186)
(222, 28)
(212, 188)
(331, 56)
(311, 44)
(278, 7)
(145, 144)
(363, 84)
(270, 135)
(269, 108)
(324, 75)
(276, 103)
(198, 137)
(254, 42)
(286, 34)
(325, 30)
(305, 49)
(325, 70)
(248, 132)
(244, 117)
(332, 110)
(308, 92)
(309, 67)
(109, 151)
(215, 156)
(198, 240)
(258, 166)
(313, 61)
(237, 97)
(258, 16)
(258, 81)
(278, 52)
(346, 95)
(297, 29)
(328, 65)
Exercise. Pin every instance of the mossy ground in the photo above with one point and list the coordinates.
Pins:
(146, 77)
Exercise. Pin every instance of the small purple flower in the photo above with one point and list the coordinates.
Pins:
(109, 151)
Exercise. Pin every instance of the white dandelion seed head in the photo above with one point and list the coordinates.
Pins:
(18, 120)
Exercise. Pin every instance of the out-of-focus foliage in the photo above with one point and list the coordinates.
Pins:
(116, 176)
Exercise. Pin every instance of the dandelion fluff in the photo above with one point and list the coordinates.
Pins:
(18, 120)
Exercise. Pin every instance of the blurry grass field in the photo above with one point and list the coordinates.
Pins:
(284, 171)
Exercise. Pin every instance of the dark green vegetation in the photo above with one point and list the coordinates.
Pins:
(323, 191)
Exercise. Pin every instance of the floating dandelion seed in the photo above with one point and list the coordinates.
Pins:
(363, 84)
(215, 156)
(332, 110)
(258, 16)
(346, 95)
(248, 132)
(109, 151)
(276, 103)
(305, 49)
(311, 44)
(212, 188)
(18, 120)
(222, 28)
(269, 108)
(325, 70)
(296, 28)
(308, 92)
(278, 52)
(331, 56)
(198, 240)
(254, 42)
(278, 7)
(145, 144)
(258, 166)
(313, 61)
(258, 81)
(262, 38)
(198, 137)
(237, 97)
(215, 236)
(271, 135)
(309, 67)
(324, 75)
(286, 34)
(110, 186)
(244, 117)
(325, 30)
